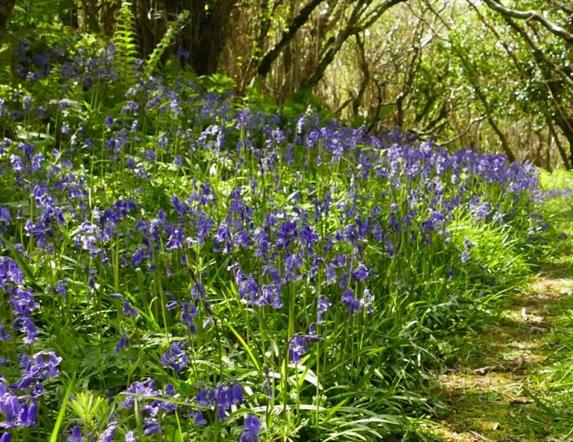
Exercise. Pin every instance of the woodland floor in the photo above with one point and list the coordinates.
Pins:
(513, 381)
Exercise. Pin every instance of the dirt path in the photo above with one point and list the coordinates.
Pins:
(498, 388)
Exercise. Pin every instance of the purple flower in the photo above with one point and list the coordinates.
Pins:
(202, 397)
(350, 301)
(322, 306)
(61, 288)
(360, 273)
(140, 388)
(200, 419)
(26, 326)
(129, 310)
(252, 427)
(130, 107)
(270, 295)
(221, 398)
(175, 240)
(367, 301)
(4, 336)
(16, 163)
(248, 287)
(5, 216)
(151, 426)
(298, 346)
(10, 272)
(108, 433)
(292, 264)
(176, 358)
(121, 344)
(17, 412)
(188, 313)
(198, 291)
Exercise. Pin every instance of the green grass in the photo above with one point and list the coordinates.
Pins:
(512, 379)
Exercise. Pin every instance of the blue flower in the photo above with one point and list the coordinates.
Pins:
(360, 273)
(121, 344)
(350, 301)
(129, 310)
(252, 427)
(176, 358)
(298, 346)
(322, 306)
(108, 434)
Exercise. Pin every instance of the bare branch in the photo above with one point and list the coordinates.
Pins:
(295, 25)
(531, 16)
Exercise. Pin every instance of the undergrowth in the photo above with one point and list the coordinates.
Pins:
(178, 265)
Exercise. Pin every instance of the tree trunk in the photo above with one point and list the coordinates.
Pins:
(6, 7)
(209, 31)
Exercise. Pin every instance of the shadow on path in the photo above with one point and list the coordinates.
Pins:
(491, 392)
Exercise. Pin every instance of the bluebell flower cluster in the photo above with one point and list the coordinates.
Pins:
(234, 239)
(220, 398)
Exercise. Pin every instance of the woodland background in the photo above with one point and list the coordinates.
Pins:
(464, 72)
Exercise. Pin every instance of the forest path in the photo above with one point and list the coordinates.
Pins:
(509, 380)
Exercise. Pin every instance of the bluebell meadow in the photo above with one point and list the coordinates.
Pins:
(177, 264)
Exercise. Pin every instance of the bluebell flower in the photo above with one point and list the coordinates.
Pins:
(138, 256)
(188, 313)
(175, 240)
(129, 310)
(26, 326)
(140, 388)
(122, 343)
(108, 434)
(151, 426)
(61, 287)
(251, 429)
(203, 397)
(5, 216)
(176, 358)
(129, 107)
(286, 233)
(350, 301)
(322, 306)
(367, 301)
(465, 257)
(4, 336)
(298, 346)
(293, 263)
(10, 272)
(198, 291)
(199, 418)
(270, 295)
(360, 273)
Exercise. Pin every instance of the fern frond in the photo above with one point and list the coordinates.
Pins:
(125, 41)
(173, 29)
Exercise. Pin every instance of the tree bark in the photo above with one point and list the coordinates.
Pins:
(209, 34)
(6, 7)
(297, 22)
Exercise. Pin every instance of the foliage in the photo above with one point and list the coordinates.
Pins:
(125, 42)
(177, 262)
(153, 61)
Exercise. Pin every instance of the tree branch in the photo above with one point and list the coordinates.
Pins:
(303, 16)
(534, 16)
